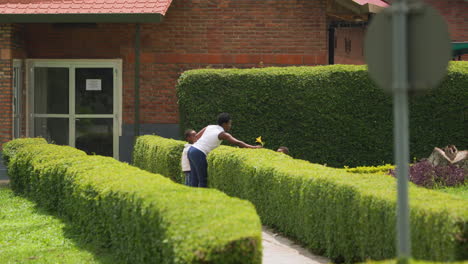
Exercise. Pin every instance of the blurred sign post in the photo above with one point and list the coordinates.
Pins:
(407, 49)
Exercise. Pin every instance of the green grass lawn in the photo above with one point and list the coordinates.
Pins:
(30, 235)
(461, 191)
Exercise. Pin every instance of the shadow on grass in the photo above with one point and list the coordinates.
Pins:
(72, 232)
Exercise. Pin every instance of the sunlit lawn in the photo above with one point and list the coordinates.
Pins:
(461, 191)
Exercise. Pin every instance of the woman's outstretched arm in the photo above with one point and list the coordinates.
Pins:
(228, 137)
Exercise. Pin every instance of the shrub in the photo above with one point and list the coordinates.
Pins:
(344, 216)
(325, 114)
(349, 216)
(412, 261)
(10, 149)
(450, 175)
(371, 169)
(424, 174)
(159, 155)
(142, 217)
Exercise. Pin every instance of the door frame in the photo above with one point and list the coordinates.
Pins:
(17, 100)
(116, 64)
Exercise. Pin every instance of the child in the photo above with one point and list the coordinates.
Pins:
(189, 136)
(284, 150)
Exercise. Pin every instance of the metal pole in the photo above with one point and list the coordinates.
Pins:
(401, 131)
(137, 81)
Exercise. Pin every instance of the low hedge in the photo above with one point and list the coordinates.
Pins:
(142, 217)
(348, 216)
(159, 155)
(344, 216)
(412, 261)
(10, 150)
(383, 169)
(325, 114)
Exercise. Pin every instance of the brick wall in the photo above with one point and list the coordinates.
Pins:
(11, 47)
(455, 13)
(6, 32)
(194, 34)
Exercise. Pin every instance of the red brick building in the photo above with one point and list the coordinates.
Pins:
(67, 68)
(349, 48)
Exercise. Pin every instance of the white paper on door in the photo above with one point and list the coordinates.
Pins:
(93, 85)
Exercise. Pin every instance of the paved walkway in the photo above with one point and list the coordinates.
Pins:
(280, 250)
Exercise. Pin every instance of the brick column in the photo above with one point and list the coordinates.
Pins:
(6, 50)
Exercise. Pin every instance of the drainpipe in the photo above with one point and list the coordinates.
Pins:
(137, 81)
(331, 44)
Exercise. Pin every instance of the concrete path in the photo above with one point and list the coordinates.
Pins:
(280, 250)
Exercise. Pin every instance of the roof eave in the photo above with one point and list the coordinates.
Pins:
(81, 18)
(374, 9)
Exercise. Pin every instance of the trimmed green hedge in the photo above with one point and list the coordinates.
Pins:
(349, 216)
(394, 261)
(345, 216)
(324, 114)
(384, 169)
(159, 155)
(10, 150)
(142, 217)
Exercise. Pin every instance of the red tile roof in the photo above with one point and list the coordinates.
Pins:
(373, 2)
(84, 6)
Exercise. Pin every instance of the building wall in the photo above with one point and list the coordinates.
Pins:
(11, 47)
(6, 32)
(349, 48)
(193, 34)
(454, 12)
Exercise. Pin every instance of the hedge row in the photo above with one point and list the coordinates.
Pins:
(350, 216)
(394, 261)
(328, 114)
(142, 217)
(383, 169)
(159, 155)
(344, 216)
(9, 150)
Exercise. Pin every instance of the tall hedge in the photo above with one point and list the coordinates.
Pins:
(140, 216)
(345, 216)
(328, 114)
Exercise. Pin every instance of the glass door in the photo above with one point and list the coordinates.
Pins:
(51, 115)
(75, 103)
(94, 110)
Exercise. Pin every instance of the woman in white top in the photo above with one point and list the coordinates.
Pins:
(208, 139)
